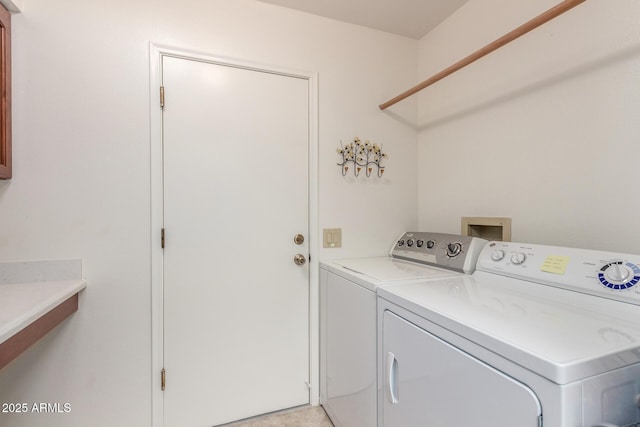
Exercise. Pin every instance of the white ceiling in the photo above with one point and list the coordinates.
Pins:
(409, 18)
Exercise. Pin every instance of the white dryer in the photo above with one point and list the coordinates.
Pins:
(348, 332)
(537, 336)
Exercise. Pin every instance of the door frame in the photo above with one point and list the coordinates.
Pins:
(156, 53)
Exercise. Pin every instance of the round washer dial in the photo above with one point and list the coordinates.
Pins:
(619, 275)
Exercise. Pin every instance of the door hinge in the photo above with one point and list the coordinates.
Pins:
(161, 96)
(162, 238)
(163, 379)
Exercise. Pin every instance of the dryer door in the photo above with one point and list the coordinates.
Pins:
(429, 382)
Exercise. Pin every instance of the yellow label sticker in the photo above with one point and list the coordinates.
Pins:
(556, 264)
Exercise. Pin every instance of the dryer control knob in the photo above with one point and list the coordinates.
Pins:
(518, 258)
(497, 255)
(454, 249)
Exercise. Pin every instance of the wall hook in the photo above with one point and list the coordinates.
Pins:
(363, 155)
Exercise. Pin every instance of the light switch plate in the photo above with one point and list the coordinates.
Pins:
(332, 237)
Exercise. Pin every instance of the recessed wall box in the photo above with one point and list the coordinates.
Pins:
(489, 228)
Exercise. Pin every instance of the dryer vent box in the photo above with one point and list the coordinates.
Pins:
(489, 228)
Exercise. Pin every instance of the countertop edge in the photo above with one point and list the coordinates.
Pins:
(68, 288)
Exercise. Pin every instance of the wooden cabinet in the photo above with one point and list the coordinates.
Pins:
(5, 93)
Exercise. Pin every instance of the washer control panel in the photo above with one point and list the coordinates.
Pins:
(452, 251)
(607, 274)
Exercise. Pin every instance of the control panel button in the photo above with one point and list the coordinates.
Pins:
(497, 255)
(518, 258)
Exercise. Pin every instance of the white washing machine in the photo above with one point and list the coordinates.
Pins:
(348, 332)
(537, 336)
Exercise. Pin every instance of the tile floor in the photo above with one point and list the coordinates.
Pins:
(306, 416)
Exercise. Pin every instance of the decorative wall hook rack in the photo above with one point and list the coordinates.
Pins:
(361, 155)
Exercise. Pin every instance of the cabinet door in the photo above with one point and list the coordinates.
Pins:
(5, 93)
(428, 382)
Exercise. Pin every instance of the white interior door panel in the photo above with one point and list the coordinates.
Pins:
(236, 307)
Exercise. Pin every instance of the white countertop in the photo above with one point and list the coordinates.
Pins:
(29, 290)
(23, 303)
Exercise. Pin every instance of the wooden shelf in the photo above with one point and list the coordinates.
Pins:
(530, 25)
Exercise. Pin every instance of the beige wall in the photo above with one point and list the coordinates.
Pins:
(545, 131)
(81, 186)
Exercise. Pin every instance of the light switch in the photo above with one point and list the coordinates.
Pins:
(332, 237)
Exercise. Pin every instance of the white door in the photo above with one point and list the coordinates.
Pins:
(235, 150)
(428, 382)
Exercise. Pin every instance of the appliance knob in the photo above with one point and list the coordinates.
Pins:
(430, 244)
(617, 273)
(400, 242)
(420, 243)
(410, 242)
(497, 255)
(518, 258)
(454, 249)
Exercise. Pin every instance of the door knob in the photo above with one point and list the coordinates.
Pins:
(298, 239)
(299, 259)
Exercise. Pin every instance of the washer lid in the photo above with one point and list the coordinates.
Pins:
(387, 270)
(561, 335)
